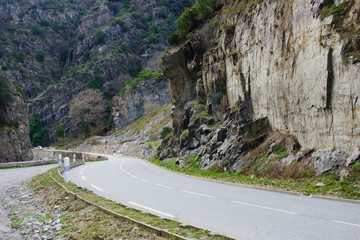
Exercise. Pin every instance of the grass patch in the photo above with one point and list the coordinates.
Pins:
(45, 218)
(349, 188)
(17, 223)
(154, 145)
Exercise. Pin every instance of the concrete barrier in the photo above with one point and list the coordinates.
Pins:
(27, 163)
(43, 157)
(54, 155)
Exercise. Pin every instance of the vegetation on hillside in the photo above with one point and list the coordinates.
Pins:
(75, 44)
(36, 131)
(6, 98)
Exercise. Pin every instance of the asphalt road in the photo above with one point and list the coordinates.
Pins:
(235, 211)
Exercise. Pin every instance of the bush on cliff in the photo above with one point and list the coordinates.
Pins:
(165, 131)
(191, 17)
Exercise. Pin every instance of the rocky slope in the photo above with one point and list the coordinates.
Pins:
(14, 131)
(138, 139)
(55, 49)
(291, 67)
(133, 104)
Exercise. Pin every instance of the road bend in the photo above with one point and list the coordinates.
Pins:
(235, 211)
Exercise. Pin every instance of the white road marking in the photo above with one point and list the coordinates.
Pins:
(164, 186)
(144, 180)
(134, 176)
(268, 208)
(351, 224)
(97, 188)
(81, 172)
(82, 169)
(199, 194)
(83, 178)
(153, 210)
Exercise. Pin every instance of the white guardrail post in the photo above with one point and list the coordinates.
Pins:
(60, 158)
(74, 158)
(83, 158)
(66, 169)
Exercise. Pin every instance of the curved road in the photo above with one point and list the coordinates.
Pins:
(235, 211)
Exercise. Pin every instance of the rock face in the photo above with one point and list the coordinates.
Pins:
(133, 104)
(288, 66)
(291, 64)
(15, 143)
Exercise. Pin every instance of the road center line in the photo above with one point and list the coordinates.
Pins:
(198, 194)
(83, 178)
(97, 188)
(351, 224)
(263, 207)
(144, 180)
(153, 210)
(164, 186)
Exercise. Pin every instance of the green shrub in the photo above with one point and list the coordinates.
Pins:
(173, 39)
(59, 132)
(186, 21)
(165, 131)
(81, 36)
(40, 56)
(20, 56)
(45, 23)
(99, 37)
(191, 16)
(95, 82)
(5, 67)
(64, 52)
(163, 12)
(38, 30)
(36, 132)
(153, 38)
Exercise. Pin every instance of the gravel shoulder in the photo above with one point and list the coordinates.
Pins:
(10, 178)
(39, 209)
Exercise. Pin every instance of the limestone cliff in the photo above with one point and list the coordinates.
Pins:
(289, 60)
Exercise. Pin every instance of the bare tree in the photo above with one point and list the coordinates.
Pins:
(87, 110)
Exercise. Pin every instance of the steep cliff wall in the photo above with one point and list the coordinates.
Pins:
(292, 63)
(15, 143)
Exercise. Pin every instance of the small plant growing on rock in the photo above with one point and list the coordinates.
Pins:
(165, 131)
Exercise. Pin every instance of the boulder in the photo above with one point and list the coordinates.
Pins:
(329, 160)
(355, 156)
